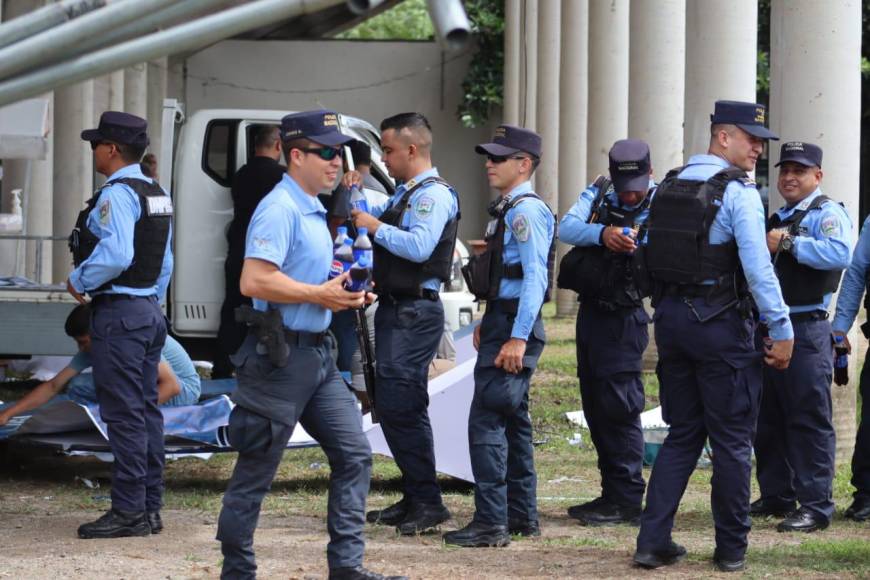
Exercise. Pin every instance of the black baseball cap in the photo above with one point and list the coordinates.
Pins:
(748, 116)
(630, 165)
(800, 152)
(320, 126)
(510, 139)
(119, 127)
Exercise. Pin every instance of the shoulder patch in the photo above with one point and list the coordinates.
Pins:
(520, 227)
(830, 226)
(105, 211)
(424, 206)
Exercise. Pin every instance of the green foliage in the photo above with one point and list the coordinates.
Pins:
(483, 84)
(409, 20)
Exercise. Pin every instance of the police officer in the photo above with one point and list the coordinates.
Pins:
(809, 239)
(855, 282)
(414, 241)
(514, 277)
(705, 244)
(287, 260)
(121, 249)
(251, 183)
(611, 327)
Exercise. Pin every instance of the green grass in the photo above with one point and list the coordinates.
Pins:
(829, 556)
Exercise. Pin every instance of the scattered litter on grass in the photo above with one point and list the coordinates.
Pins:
(88, 483)
(577, 439)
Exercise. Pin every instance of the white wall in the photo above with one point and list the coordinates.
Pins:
(370, 80)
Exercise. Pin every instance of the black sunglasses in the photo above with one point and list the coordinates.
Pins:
(502, 158)
(325, 153)
(95, 144)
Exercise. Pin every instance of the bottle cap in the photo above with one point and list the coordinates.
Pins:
(348, 242)
(362, 231)
(626, 231)
(341, 230)
(838, 339)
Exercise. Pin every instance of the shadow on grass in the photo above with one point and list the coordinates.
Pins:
(318, 483)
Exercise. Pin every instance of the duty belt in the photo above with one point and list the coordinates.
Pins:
(302, 338)
(425, 293)
(506, 305)
(813, 315)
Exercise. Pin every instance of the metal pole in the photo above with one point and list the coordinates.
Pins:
(45, 47)
(179, 11)
(189, 36)
(450, 22)
(45, 18)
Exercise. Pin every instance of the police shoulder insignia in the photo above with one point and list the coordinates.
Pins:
(424, 207)
(520, 227)
(105, 211)
(830, 226)
(747, 181)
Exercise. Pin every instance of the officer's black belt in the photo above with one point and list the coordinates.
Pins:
(809, 316)
(688, 290)
(425, 293)
(302, 338)
(506, 305)
(106, 298)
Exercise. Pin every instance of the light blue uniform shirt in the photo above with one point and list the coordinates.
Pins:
(289, 229)
(574, 229)
(852, 287)
(428, 211)
(741, 218)
(529, 230)
(113, 220)
(823, 240)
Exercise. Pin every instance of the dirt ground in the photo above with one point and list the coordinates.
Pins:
(38, 540)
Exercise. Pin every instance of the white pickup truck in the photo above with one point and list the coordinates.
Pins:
(210, 146)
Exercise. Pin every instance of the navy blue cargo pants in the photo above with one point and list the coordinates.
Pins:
(499, 426)
(308, 390)
(861, 455)
(407, 332)
(709, 386)
(610, 347)
(795, 443)
(127, 335)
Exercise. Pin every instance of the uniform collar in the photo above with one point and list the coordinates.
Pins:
(649, 193)
(707, 159)
(306, 203)
(433, 172)
(524, 187)
(803, 204)
(133, 170)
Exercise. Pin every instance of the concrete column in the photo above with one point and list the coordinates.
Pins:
(157, 78)
(529, 66)
(572, 121)
(136, 90)
(815, 96)
(608, 81)
(73, 167)
(39, 210)
(710, 25)
(547, 176)
(512, 54)
(116, 91)
(656, 83)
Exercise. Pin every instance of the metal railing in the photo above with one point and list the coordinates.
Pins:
(40, 241)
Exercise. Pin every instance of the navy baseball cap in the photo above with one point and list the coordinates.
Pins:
(320, 126)
(510, 139)
(119, 127)
(800, 152)
(748, 116)
(630, 165)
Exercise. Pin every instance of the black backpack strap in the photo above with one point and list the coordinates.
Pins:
(603, 185)
(715, 189)
(406, 195)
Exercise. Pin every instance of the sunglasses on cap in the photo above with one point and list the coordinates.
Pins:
(497, 159)
(325, 153)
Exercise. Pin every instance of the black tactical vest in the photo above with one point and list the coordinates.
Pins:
(801, 285)
(678, 255)
(401, 277)
(483, 273)
(149, 235)
(597, 274)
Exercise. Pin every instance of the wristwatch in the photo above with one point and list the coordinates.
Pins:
(787, 243)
